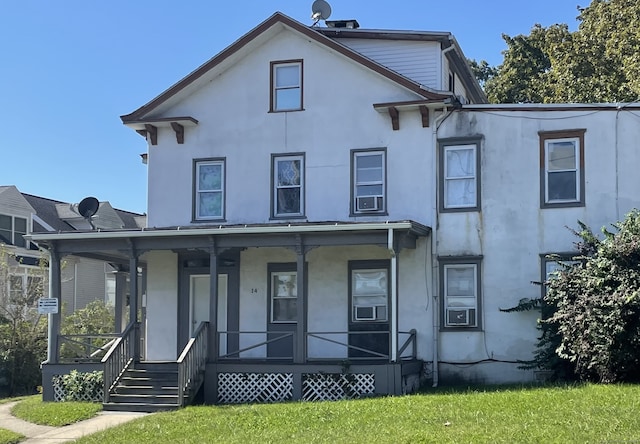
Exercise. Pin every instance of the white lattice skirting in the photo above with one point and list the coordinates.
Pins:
(336, 386)
(240, 388)
(59, 393)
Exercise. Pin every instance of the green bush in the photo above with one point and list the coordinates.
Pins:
(83, 386)
(594, 309)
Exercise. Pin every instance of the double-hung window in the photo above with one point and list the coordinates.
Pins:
(460, 172)
(553, 263)
(286, 85)
(288, 185)
(12, 230)
(209, 193)
(369, 181)
(562, 157)
(460, 287)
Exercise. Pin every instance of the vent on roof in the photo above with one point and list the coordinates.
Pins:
(349, 24)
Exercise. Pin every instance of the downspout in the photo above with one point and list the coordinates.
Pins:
(394, 296)
(434, 248)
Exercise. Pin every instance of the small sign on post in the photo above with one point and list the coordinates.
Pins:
(47, 306)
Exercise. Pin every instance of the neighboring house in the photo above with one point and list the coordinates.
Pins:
(84, 279)
(337, 212)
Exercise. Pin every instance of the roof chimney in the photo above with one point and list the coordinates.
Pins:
(349, 24)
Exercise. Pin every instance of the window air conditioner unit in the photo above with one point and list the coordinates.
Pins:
(365, 313)
(458, 317)
(370, 312)
(368, 203)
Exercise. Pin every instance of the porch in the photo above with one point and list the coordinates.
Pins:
(206, 309)
(228, 378)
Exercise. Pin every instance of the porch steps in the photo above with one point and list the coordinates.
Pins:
(149, 387)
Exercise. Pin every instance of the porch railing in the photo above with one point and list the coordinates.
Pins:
(84, 348)
(192, 363)
(410, 341)
(365, 352)
(272, 337)
(119, 358)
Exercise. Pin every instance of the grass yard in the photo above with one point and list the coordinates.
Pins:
(576, 414)
(9, 437)
(55, 414)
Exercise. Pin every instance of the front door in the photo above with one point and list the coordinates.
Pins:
(369, 310)
(282, 310)
(199, 305)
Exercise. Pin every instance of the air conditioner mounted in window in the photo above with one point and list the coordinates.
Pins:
(369, 203)
(458, 317)
(370, 312)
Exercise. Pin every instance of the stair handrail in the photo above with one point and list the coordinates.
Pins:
(119, 358)
(192, 363)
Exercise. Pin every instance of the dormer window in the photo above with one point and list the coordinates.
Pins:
(286, 86)
(12, 230)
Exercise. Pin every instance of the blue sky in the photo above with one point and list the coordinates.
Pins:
(70, 68)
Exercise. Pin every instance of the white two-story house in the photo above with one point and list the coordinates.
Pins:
(336, 212)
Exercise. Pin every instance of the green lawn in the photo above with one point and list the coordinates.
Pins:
(590, 413)
(55, 414)
(9, 437)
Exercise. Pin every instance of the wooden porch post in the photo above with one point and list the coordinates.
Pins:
(299, 354)
(133, 299)
(55, 289)
(393, 249)
(121, 283)
(213, 301)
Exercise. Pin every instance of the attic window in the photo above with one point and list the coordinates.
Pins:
(286, 86)
(13, 230)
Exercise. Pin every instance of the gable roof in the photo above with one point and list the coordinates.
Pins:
(447, 41)
(48, 211)
(13, 202)
(261, 31)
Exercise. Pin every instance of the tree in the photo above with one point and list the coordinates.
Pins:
(594, 310)
(97, 318)
(596, 63)
(23, 333)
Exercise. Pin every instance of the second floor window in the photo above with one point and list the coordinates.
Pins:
(459, 187)
(369, 187)
(12, 230)
(209, 189)
(562, 157)
(288, 185)
(286, 86)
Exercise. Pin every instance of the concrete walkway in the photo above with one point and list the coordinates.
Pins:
(39, 434)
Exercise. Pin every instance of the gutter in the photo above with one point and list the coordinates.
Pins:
(225, 230)
(434, 250)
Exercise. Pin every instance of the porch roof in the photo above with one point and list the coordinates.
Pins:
(116, 242)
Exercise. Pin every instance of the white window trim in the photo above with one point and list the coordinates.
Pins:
(356, 183)
(576, 148)
(197, 190)
(298, 86)
(13, 232)
(448, 180)
(475, 297)
(276, 187)
(275, 297)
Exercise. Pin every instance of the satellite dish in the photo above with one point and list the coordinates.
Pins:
(88, 207)
(320, 10)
